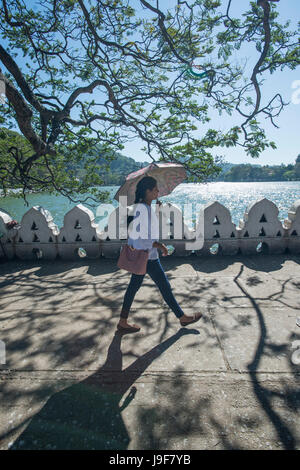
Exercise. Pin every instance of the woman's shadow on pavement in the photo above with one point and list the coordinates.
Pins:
(87, 415)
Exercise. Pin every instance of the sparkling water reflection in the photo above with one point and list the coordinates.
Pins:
(235, 196)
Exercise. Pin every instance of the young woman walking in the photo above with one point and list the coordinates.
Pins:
(146, 192)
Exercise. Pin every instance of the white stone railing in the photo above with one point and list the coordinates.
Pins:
(260, 230)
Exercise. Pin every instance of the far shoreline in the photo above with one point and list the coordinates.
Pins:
(18, 190)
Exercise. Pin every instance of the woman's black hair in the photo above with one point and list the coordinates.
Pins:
(145, 183)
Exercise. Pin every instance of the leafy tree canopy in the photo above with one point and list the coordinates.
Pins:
(99, 72)
(112, 173)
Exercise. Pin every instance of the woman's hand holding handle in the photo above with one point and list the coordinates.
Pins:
(162, 247)
(164, 250)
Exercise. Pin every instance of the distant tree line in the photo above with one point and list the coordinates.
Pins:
(248, 172)
(112, 167)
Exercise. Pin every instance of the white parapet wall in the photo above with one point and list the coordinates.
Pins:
(79, 232)
(37, 235)
(260, 230)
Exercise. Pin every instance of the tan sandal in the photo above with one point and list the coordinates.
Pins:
(196, 317)
(129, 329)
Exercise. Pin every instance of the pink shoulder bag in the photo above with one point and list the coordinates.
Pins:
(133, 260)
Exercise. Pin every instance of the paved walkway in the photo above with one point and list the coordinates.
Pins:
(230, 382)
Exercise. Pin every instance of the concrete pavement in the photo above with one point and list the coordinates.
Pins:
(231, 381)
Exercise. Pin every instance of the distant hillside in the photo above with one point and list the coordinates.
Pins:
(226, 166)
(248, 172)
(226, 169)
(113, 167)
(114, 172)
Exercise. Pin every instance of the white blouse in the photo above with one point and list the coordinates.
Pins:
(139, 224)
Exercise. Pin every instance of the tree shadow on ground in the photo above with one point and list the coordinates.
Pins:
(87, 415)
(185, 416)
(58, 285)
(165, 425)
(261, 262)
(263, 394)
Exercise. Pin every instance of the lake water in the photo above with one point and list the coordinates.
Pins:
(235, 196)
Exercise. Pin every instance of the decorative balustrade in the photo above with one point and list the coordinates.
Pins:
(260, 230)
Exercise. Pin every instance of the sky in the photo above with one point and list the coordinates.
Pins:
(286, 136)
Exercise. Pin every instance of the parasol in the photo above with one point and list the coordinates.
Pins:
(167, 174)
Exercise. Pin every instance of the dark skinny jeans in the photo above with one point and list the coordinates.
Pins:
(157, 274)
